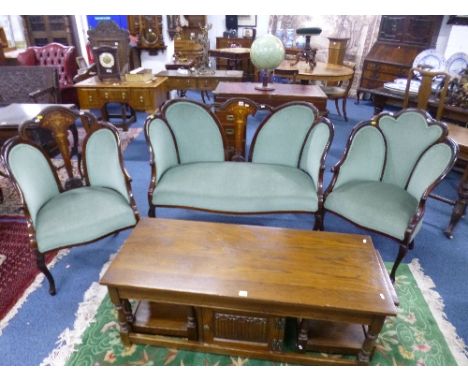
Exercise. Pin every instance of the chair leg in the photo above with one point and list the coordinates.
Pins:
(344, 109)
(40, 259)
(401, 254)
(337, 107)
(411, 245)
(152, 212)
(318, 226)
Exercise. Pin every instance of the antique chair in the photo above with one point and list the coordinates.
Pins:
(59, 218)
(388, 169)
(58, 56)
(340, 91)
(433, 90)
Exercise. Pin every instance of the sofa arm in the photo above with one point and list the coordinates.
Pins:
(161, 144)
(364, 156)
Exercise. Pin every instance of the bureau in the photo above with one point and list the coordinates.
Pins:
(400, 40)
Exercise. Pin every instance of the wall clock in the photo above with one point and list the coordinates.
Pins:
(107, 62)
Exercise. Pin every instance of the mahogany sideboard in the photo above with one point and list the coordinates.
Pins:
(229, 289)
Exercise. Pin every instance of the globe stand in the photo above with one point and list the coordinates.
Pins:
(265, 87)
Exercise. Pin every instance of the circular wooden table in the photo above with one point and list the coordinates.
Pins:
(321, 72)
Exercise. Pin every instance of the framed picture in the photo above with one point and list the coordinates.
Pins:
(247, 21)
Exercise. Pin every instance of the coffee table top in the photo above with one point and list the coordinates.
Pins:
(256, 265)
(246, 89)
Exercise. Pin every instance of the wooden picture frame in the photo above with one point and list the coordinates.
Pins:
(247, 20)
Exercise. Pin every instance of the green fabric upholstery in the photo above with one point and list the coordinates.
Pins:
(81, 215)
(407, 137)
(103, 163)
(237, 187)
(162, 143)
(280, 139)
(313, 151)
(196, 132)
(365, 157)
(33, 175)
(382, 207)
(430, 167)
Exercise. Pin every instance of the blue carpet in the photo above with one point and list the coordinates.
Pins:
(32, 334)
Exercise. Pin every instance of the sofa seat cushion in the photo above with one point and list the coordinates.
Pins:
(81, 215)
(382, 207)
(237, 187)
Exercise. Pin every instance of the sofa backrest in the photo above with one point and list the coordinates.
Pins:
(280, 138)
(407, 135)
(196, 130)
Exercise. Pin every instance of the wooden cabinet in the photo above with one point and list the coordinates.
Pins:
(400, 40)
(42, 30)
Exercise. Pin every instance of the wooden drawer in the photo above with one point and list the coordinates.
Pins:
(142, 99)
(386, 68)
(181, 83)
(88, 98)
(207, 84)
(114, 95)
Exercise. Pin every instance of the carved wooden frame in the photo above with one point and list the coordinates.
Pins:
(406, 243)
(320, 210)
(22, 139)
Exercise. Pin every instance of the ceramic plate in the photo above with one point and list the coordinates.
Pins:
(432, 58)
(456, 63)
(401, 88)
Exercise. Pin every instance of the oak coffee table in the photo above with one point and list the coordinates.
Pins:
(231, 289)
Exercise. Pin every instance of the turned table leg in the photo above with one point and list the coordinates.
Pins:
(372, 334)
(124, 314)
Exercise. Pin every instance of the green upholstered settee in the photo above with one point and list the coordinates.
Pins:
(284, 172)
(389, 167)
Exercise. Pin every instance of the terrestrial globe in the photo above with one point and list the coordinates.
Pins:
(266, 53)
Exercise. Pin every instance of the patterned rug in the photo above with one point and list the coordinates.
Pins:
(11, 201)
(419, 335)
(18, 269)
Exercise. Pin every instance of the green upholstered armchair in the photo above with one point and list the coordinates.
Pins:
(284, 172)
(59, 218)
(389, 167)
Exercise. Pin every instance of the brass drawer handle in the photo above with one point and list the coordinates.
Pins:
(229, 117)
(229, 131)
(142, 100)
(124, 95)
(90, 98)
(106, 95)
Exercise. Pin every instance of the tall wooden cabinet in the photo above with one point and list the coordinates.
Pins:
(42, 30)
(400, 40)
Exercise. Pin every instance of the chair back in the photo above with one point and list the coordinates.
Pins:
(281, 137)
(425, 89)
(288, 74)
(198, 134)
(55, 128)
(407, 136)
(53, 55)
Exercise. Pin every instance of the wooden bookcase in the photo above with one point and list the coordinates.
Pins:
(42, 30)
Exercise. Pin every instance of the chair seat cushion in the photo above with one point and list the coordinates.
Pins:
(382, 207)
(237, 187)
(81, 215)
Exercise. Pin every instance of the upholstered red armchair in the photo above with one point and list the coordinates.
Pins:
(57, 55)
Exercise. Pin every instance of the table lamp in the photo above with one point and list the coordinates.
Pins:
(266, 53)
